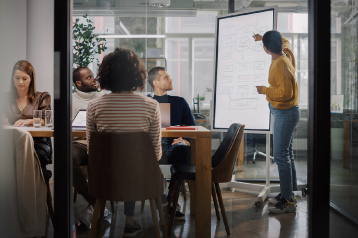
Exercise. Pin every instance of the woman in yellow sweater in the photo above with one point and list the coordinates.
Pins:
(282, 95)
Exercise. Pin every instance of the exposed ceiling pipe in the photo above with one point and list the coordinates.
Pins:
(231, 4)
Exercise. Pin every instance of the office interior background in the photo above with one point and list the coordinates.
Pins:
(181, 38)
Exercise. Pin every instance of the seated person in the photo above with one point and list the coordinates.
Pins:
(22, 100)
(177, 151)
(86, 86)
(123, 110)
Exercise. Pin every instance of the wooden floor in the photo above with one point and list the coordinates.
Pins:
(245, 220)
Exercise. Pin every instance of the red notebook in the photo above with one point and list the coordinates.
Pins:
(181, 127)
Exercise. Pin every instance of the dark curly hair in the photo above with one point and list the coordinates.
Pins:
(273, 41)
(77, 75)
(120, 71)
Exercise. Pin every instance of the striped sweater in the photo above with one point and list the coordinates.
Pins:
(123, 112)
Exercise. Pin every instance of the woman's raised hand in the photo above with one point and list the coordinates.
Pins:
(257, 37)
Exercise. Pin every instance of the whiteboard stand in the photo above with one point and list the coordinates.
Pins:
(264, 190)
(240, 65)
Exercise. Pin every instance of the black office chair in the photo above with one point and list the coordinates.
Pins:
(223, 162)
(43, 148)
(253, 140)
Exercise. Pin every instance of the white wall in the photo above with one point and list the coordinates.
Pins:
(40, 42)
(13, 48)
(12, 38)
(40, 47)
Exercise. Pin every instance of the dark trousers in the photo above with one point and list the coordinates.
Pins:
(43, 150)
(178, 154)
(80, 157)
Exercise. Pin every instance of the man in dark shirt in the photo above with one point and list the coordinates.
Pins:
(175, 150)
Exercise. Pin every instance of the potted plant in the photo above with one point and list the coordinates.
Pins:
(86, 44)
(139, 48)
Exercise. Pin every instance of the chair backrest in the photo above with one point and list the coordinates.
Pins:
(122, 166)
(226, 155)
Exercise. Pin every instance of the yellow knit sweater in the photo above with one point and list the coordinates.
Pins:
(283, 90)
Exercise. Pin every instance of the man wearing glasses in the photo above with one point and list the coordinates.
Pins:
(175, 150)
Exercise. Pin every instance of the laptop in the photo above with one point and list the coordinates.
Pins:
(79, 122)
(165, 113)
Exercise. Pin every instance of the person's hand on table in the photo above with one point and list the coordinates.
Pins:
(180, 140)
(257, 37)
(20, 123)
(259, 89)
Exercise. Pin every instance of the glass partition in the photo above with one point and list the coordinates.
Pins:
(344, 109)
(294, 27)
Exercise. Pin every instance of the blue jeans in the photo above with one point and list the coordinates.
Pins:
(284, 126)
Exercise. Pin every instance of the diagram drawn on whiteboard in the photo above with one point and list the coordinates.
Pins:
(241, 65)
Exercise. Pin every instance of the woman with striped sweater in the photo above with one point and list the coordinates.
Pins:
(123, 110)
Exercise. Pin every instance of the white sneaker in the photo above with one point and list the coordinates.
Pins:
(283, 206)
(276, 199)
(86, 215)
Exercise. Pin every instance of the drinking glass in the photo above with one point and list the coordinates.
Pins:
(48, 118)
(37, 114)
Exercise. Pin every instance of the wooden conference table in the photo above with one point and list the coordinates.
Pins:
(200, 190)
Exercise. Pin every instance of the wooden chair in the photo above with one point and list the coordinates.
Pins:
(122, 166)
(223, 162)
(143, 202)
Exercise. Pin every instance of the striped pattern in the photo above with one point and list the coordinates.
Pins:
(125, 112)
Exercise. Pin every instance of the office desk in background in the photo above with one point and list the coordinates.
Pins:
(200, 190)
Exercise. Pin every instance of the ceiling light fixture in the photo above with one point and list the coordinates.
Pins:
(130, 36)
(159, 3)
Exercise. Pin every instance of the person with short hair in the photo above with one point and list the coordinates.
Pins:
(175, 150)
(123, 110)
(282, 95)
(86, 90)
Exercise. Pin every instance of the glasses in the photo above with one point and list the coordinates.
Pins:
(48, 118)
(37, 116)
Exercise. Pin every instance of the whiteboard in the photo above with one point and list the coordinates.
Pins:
(241, 64)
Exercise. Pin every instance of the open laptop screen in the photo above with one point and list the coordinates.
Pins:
(165, 114)
(80, 119)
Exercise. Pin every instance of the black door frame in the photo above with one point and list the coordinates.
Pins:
(318, 123)
(319, 118)
(62, 119)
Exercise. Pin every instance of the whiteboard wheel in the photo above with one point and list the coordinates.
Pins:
(258, 204)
